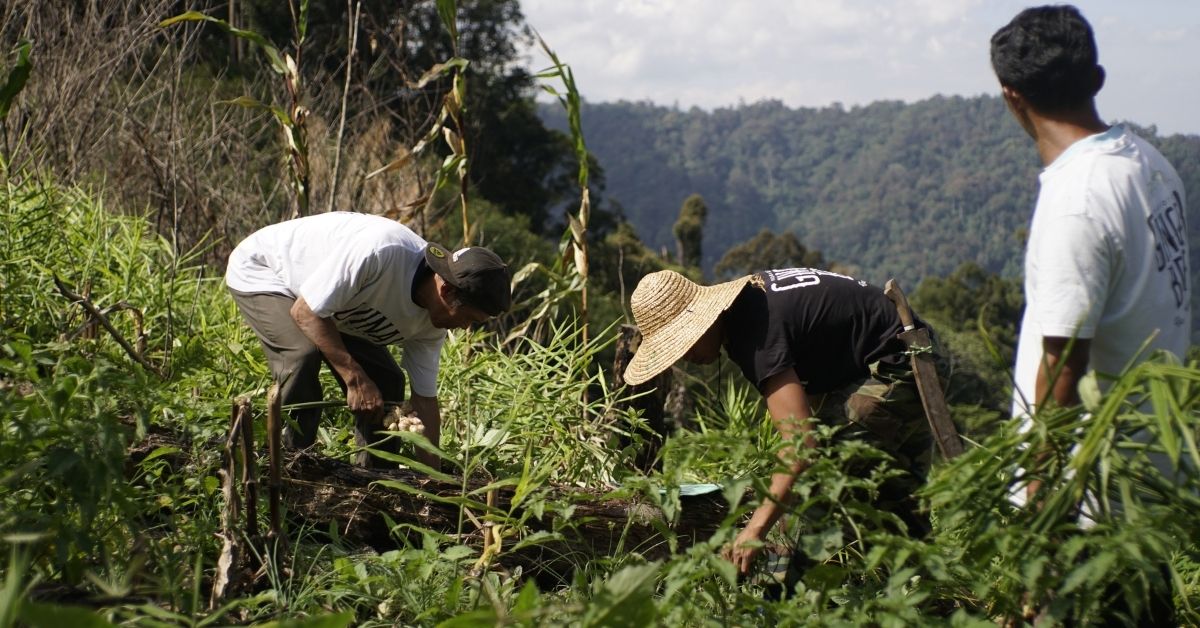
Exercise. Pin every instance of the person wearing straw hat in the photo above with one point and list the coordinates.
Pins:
(815, 344)
(339, 288)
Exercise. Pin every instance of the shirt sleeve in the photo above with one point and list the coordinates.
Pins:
(422, 357)
(772, 355)
(335, 284)
(756, 341)
(1073, 270)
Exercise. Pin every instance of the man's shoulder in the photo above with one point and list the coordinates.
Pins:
(379, 233)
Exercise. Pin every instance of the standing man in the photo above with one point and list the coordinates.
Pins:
(340, 287)
(1106, 267)
(814, 343)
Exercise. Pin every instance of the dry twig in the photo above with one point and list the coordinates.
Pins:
(99, 316)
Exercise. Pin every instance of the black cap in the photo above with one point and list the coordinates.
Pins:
(482, 278)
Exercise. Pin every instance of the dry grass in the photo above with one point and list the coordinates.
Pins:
(116, 98)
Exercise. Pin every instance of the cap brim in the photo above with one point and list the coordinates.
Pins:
(667, 345)
(438, 259)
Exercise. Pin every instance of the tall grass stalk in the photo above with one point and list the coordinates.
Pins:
(575, 241)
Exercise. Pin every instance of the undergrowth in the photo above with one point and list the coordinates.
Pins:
(94, 538)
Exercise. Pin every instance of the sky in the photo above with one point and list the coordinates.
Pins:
(813, 53)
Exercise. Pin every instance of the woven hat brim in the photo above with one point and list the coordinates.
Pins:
(664, 347)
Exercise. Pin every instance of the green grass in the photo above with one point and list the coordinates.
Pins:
(139, 541)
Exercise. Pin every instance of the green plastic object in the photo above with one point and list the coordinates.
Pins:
(691, 490)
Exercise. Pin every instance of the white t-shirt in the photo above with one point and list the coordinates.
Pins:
(356, 269)
(1107, 258)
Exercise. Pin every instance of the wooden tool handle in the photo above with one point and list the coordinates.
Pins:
(891, 290)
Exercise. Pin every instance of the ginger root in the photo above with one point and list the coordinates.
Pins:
(397, 421)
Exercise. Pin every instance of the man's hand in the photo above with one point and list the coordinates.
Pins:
(362, 395)
(746, 548)
(363, 398)
(788, 404)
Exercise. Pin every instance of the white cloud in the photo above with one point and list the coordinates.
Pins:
(713, 53)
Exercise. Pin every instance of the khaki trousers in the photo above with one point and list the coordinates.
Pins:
(295, 363)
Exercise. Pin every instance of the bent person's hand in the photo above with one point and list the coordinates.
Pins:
(745, 549)
(363, 398)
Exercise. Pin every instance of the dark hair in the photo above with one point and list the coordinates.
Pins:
(1048, 55)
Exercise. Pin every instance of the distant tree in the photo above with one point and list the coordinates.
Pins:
(621, 259)
(975, 314)
(767, 250)
(971, 299)
(689, 230)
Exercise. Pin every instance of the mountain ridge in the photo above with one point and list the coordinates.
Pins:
(888, 189)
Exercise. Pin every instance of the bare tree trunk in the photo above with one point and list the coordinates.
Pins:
(649, 401)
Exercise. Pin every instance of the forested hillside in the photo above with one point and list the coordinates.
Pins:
(888, 189)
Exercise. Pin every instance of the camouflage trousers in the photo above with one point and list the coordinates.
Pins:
(884, 410)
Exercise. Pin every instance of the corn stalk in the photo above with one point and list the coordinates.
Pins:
(450, 125)
(292, 118)
(574, 245)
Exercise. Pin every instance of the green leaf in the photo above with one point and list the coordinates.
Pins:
(1089, 392)
(412, 463)
(541, 536)
(626, 599)
(18, 538)
(824, 544)
(302, 26)
(457, 553)
(249, 102)
(12, 587)
(453, 501)
(337, 620)
(271, 52)
(527, 600)
(38, 615)
(448, 12)
(438, 70)
(501, 483)
(188, 16)
(725, 569)
(17, 78)
(483, 618)
(1090, 572)
(160, 452)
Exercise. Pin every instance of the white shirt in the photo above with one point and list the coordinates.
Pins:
(355, 269)
(1107, 258)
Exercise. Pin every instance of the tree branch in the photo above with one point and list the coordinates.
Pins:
(99, 316)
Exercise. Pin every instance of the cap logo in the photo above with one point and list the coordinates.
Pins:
(437, 251)
(458, 254)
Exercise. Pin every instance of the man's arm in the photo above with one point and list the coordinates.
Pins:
(1060, 371)
(362, 395)
(426, 409)
(788, 404)
(1058, 379)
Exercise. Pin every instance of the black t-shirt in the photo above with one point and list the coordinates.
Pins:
(827, 327)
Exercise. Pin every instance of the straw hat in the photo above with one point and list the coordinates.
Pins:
(672, 313)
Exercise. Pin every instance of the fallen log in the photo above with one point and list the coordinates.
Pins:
(325, 495)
